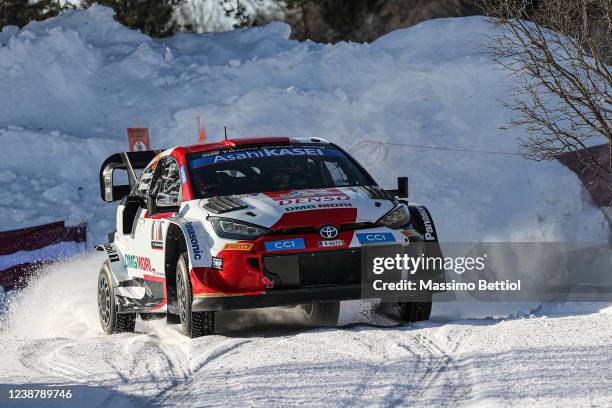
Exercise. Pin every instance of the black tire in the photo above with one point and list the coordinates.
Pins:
(321, 313)
(111, 321)
(194, 324)
(411, 312)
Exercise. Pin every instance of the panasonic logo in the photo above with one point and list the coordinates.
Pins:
(193, 240)
(429, 231)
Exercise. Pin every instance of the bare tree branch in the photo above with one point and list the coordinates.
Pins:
(558, 52)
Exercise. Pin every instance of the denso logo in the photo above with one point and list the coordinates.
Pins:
(193, 240)
(375, 237)
(285, 244)
(429, 231)
(309, 200)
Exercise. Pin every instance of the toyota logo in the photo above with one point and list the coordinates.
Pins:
(328, 231)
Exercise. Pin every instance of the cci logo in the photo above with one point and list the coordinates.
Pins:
(285, 244)
(328, 232)
(375, 237)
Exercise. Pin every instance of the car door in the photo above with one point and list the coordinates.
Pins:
(131, 211)
(165, 191)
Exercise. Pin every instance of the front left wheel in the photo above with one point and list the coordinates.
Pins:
(194, 324)
(111, 321)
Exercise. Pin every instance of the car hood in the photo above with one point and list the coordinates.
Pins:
(311, 207)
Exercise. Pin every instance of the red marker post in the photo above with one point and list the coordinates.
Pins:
(138, 139)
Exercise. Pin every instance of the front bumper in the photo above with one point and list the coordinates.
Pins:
(277, 298)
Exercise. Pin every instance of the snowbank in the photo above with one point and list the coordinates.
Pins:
(71, 85)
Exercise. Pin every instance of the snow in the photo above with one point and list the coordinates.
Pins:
(269, 357)
(72, 85)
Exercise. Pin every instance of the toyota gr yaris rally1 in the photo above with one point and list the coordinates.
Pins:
(246, 223)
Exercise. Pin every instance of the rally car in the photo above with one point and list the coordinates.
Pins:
(246, 223)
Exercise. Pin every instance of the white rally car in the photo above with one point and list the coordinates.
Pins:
(246, 223)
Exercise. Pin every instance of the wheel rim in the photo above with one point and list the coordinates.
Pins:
(104, 301)
(182, 301)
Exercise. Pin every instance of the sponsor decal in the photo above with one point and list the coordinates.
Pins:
(300, 208)
(113, 256)
(137, 262)
(183, 175)
(334, 205)
(322, 198)
(269, 284)
(375, 237)
(237, 246)
(429, 231)
(285, 244)
(315, 207)
(331, 243)
(193, 241)
(310, 200)
(262, 153)
(328, 232)
(156, 231)
(157, 239)
(306, 193)
(217, 263)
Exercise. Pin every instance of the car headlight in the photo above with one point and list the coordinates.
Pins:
(396, 218)
(232, 229)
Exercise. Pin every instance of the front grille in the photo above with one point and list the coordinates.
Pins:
(312, 269)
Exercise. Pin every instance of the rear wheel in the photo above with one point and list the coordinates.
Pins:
(321, 313)
(194, 324)
(111, 321)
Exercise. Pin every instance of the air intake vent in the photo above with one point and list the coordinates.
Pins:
(378, 193)
(219, 205)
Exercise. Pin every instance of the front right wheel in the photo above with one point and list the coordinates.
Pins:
(194, 324)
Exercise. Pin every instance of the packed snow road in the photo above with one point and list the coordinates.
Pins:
(52, 336)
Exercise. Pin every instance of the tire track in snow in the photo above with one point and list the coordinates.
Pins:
(445, 380)
(185, 388)
(428, 374)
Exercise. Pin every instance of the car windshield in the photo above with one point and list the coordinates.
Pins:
(263, 169)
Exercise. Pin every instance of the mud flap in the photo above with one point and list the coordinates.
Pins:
(422, 221)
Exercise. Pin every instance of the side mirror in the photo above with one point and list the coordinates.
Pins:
(151, 205)
(402, 187)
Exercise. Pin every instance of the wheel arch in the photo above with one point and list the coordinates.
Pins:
(184, 236)
(423, 222)
(174, 245)
(114, 261)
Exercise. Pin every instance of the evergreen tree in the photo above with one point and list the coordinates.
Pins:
(21, 12)
(152, 17)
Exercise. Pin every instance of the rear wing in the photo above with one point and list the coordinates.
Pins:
(127, 161)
